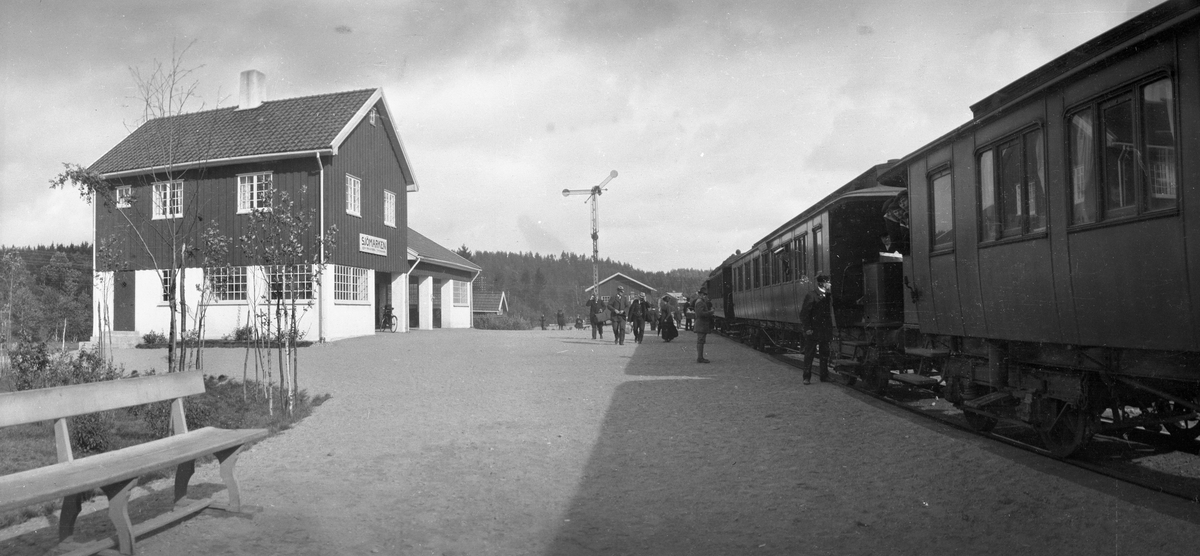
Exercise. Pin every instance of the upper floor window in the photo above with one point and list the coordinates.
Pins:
(1012, 187)
(168, 199)
(461, 293)
(124, 195)
(254, 192)
(227, 283)
(389, 208)
(372, 116)
(1123, 154)
(353, 196)
(942, 197)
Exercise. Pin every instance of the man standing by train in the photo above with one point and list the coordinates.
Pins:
(703, 325)
(617, 306)
(816, 319)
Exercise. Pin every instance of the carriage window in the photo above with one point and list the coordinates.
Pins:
(1123, 154)
(757, 273)
(785, 262)
(943, 211)
(818, 250)
(801, 254)
(766, 269)
(1012, 188)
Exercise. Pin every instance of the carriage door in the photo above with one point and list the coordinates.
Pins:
(123, 304)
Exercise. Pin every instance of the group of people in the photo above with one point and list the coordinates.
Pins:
(637, 311)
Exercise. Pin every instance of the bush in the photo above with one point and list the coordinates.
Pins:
(503, 322)
(34, 368)
(154, 337)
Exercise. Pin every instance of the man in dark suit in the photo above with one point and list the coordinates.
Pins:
(816, 319)
(618, 307)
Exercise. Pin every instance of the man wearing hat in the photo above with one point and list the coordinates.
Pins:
(617, 306)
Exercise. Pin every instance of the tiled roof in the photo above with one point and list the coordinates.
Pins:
(279, 126)
(488, 302)
(426, 248)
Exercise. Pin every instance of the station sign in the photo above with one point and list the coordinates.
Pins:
(373, 245)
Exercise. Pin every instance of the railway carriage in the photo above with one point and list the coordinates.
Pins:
(1055, 259)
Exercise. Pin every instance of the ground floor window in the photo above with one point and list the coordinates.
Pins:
(461, 293)
(290, 281)
(350, 284)
(168, 284)
(227, 283)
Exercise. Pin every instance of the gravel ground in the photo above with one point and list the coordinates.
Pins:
(466, 442)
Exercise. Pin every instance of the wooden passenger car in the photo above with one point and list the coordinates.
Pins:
(1050, 238)
(835, 237)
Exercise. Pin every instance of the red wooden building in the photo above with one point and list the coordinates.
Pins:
(338, 158)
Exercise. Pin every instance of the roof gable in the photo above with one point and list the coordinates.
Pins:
(429, 250)
(624, 278)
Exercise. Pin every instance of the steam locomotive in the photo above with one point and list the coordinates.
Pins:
(1038, 264)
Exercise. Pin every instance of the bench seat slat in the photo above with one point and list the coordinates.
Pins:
(56, 481)
(47, 404)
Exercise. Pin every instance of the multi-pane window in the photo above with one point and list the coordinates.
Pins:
(227, 283)
(943, 210)
(389, 208)
(1012, 187)
(800, 249)
(254, 192)
(350, 284)
(124, 194)
(290, 281)
(461, 293)
(353, 196)
(168, 284)
(1123, 155)
(168, 199)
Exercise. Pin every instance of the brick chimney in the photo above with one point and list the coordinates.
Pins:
(252, 87)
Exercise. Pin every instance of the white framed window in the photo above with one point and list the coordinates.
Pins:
(124, 195)
(461, 293)
(373, 114)
(168, 284)
(389, 208)
(290, 281)
(350, 284)
(168, 199)
(353, 196)
(227, 283)
(254, 192)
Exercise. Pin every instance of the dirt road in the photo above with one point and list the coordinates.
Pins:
(465, 442)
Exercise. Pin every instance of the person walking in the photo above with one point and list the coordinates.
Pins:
(703, 322)
(637, 317)
(543, 321)
(816, 319)
(594, 310)
(562, 320)
(618, 307)
(666, 326)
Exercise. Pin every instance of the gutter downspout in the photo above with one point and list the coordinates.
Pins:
(321, 290)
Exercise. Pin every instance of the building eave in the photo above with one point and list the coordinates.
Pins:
(216, 162)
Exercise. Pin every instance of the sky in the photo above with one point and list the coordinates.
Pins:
(723, 119)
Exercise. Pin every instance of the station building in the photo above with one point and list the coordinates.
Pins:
(336, 160)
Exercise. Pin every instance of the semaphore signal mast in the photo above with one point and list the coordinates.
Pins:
(594, 196)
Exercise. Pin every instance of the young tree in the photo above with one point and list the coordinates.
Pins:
(165, 91)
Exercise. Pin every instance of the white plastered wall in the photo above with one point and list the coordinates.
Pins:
(425, 302)
(455, 316)
(348, 319)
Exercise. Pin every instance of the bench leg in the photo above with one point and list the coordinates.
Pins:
(118, 512)
(71, 506)
(183, 474)
(228, 459)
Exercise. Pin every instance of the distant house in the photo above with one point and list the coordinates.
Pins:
(608, 286)
(337, 156)
(490, 304)
(439, 285)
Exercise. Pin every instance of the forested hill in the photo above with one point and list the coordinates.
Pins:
(536, 284)
(46, 292)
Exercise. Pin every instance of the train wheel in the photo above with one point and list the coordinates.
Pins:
(979, 421)
(1067, 432)
(1186, 430)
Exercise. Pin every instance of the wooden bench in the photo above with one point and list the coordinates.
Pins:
(117, 472)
